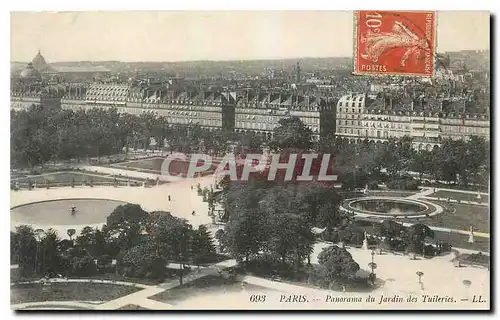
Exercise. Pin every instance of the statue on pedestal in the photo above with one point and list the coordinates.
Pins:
(365, 242)
(471, 235)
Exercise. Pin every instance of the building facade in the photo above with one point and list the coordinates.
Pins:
(209, 109)
(260, 112)
(356, 122)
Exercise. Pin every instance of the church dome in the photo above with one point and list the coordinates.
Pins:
(39, 61)
(30, 74)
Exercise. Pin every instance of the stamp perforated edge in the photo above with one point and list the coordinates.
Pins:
(380, 74)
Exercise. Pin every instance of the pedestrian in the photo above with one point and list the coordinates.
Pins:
(191, 187)
(193, 213)
(169, 198)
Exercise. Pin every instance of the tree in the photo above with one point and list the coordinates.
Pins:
(422, 163)
(50, 256)
(170, 236)
(414, 237)
(405, 152)
(71, 233)
(43, 134)
(65, 245)
(92, 241)
(477, 155)
(83, 267)
(288, 224)
(24, 248)
(450, 157)
(203, 249)
(143, 261)
(356, 179)
(322, 204)
(327, 143)
(245, 231)
(219, 235)
(124, 223)
(389, 229)
(337, 264)
(291, 134)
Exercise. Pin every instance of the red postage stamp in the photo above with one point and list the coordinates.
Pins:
(394, 43)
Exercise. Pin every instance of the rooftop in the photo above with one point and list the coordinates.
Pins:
(85, 69)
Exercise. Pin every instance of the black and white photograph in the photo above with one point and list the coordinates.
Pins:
(250, 160)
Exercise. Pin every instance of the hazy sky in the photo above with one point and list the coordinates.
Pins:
(211, 35)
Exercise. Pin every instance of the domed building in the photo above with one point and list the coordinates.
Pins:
(59, 73)
(30, 75)
(39, 62)
(31, 88)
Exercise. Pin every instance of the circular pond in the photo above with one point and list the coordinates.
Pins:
(388, 206)
(58, 212)
(391, 207)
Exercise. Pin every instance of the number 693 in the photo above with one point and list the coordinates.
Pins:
(257, 298)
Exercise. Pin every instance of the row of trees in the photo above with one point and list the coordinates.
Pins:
(141, 243)
(455, 161)
(389, 235)
(40, 135)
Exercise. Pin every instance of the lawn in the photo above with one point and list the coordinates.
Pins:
(461, 217)
(460, 196)
(148, 164)
(455, 239)
(461, 241)
(68, 291)
(153, 165)
(203, 286)
(391, 193)
(118, 277)
(474, 259)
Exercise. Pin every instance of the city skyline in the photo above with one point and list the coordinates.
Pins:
(215, 35)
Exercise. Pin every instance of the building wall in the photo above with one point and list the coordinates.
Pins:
(356, 122)
(262, 116)
(25, 102)
(348, 117)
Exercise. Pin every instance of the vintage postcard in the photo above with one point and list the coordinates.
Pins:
(250, 160)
